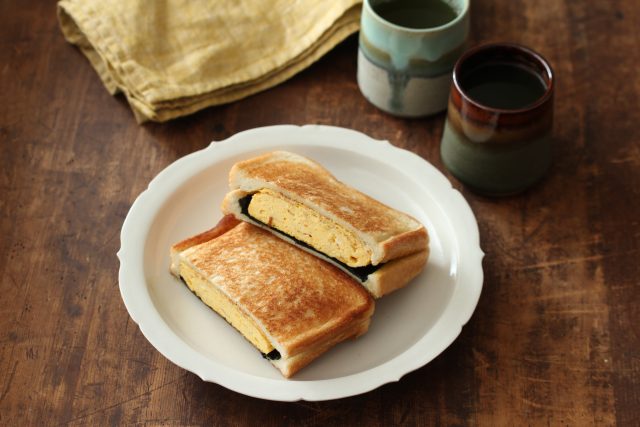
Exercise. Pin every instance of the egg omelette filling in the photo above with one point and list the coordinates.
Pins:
(361, 273)
(306, 225)
(226, 308)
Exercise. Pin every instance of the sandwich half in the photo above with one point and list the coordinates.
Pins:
(289, 304)
(301, 202)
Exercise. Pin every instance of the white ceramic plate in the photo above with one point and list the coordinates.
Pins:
(409, 327)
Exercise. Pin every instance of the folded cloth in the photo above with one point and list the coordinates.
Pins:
(174, 57)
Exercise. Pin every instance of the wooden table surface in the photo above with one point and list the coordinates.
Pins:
(555, 337)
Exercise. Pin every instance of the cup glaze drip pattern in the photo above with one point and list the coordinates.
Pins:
(405, 71)
(498, 151)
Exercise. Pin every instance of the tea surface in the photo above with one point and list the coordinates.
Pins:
(503, 85)
(416, 14)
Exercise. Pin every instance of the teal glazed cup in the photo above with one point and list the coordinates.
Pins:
(498, 151)
(406, 71)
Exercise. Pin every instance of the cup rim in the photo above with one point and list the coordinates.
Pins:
(458, 18)
(487, 46)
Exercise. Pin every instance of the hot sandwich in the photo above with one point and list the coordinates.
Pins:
(289, 304)
(301, 202)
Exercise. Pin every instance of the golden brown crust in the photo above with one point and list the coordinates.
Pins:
(225, 224)
(290, 366)
(298, 300)
(389, 277)
(387, 232)
(396, 274)
(405, 244)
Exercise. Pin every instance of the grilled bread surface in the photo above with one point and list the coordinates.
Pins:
(300, 303)
(385, 232)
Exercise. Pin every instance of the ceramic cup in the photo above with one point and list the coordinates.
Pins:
(406, 71)
(496, 139)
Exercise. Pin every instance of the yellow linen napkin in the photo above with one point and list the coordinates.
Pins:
(174, 57)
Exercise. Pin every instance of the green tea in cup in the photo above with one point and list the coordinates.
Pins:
(416, 14)
(497, 136)
(407, 52)
(503, 85)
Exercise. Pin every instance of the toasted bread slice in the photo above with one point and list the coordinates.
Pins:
(289, 304)
(301, 202)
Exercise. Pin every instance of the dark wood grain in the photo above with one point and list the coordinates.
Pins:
(555, 339)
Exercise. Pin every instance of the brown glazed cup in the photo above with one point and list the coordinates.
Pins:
(498, 151)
